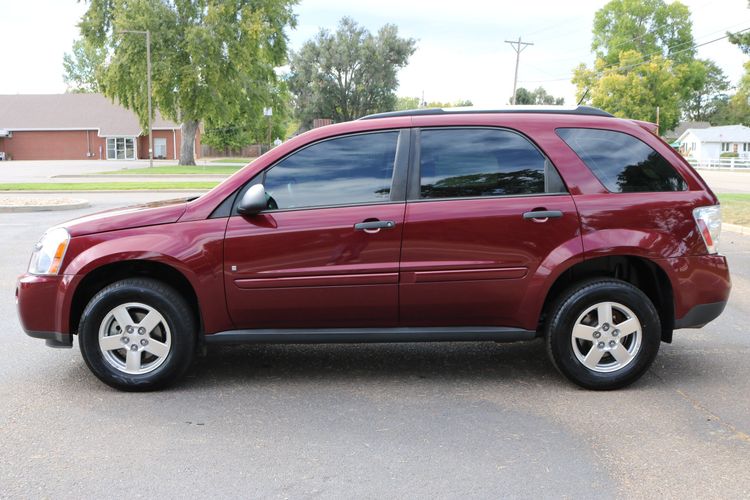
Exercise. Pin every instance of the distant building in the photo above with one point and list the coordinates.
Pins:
(709, 143)
(79, 127)
(672, 135)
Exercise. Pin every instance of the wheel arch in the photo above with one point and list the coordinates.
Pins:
(641, 272)
(105, 275)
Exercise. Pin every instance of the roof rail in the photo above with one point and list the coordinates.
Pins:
(559, 110)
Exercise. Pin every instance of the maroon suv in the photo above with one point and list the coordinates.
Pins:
(567, 224)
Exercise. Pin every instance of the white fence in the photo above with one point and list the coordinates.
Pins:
(721, 163)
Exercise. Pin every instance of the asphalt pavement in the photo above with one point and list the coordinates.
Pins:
(478, 420)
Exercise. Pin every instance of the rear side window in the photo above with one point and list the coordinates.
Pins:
(456, 163)
(621, 162)
(348, 170)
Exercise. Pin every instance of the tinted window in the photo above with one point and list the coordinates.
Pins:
(482, 162)
(343, 171)
(621, 162)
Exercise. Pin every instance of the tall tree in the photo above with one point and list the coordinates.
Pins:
(349, 73)
(708, 92)
(645, 59)
(249, 125)
(211, 59)
(633, 89)
(537, 96)
(649, 27)
(80, 67)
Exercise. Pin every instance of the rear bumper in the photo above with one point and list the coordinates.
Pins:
(701, 287)
(700, 315)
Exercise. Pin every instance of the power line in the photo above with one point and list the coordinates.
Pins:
(642, 61)
(519, 47)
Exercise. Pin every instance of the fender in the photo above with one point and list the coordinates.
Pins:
(194, 249)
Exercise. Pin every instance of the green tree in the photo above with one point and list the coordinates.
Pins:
(538, 96)
(633, 89)
(212, 60)
(708, 91)
(649, 27)
(644, 59)
(407, 103)
(349, 73)
(250, 127)
(80, 67)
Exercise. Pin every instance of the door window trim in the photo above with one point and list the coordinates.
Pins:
(398, 180)
(414, 181)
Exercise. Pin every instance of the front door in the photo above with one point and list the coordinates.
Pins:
(472, 243)
(326, 251)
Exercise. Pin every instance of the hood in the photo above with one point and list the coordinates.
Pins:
(147, 214)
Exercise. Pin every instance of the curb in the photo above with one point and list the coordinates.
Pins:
(735, 228)
(76, 204)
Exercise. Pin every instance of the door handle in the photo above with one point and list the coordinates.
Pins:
(374, 225)
(543, 214)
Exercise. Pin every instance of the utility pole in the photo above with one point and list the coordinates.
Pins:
(519, 47)
(148, 89)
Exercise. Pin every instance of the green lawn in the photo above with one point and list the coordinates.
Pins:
(103, 186)
(243, 161)
(735, 208)
(176, 170)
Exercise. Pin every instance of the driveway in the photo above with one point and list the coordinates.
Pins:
(727, 182)
(426, 420)
(49, 171)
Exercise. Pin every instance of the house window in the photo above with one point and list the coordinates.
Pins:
(724, 147)
(120, 148)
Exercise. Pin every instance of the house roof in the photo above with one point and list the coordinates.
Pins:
(727, 133)
(71, 112)
(683, 126)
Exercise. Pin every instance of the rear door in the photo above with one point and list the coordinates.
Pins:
(325, 253)
(485, 209)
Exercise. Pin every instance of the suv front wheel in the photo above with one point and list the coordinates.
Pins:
(137, 334)
(603, 334)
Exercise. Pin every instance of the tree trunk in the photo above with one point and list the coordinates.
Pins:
(187, 146)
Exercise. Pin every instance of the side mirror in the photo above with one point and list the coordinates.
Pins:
(253, 201)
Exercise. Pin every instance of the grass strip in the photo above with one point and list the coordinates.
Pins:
(735, 208)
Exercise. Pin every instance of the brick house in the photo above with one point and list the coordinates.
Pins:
(79, 127)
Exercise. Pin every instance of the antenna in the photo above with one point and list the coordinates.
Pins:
(584, 95)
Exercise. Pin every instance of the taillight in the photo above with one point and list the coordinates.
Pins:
(708, 220)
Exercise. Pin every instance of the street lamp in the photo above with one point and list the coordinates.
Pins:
(148, 86)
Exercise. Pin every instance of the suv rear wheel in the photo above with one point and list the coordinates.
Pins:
(137, 334)
(603, 334)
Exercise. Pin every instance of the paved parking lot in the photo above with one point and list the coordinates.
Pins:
(345, 421)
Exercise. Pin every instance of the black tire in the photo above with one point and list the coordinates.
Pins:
(176, 313)
(579, 299)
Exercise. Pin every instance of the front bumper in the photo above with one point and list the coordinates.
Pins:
(41, 301)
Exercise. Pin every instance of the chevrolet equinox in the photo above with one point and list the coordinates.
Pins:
(567, 224)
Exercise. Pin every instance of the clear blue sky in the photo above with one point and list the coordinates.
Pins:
(460, 50)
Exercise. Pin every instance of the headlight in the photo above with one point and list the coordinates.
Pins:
(49, 252)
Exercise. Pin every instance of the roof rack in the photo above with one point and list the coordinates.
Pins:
(559, 110)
